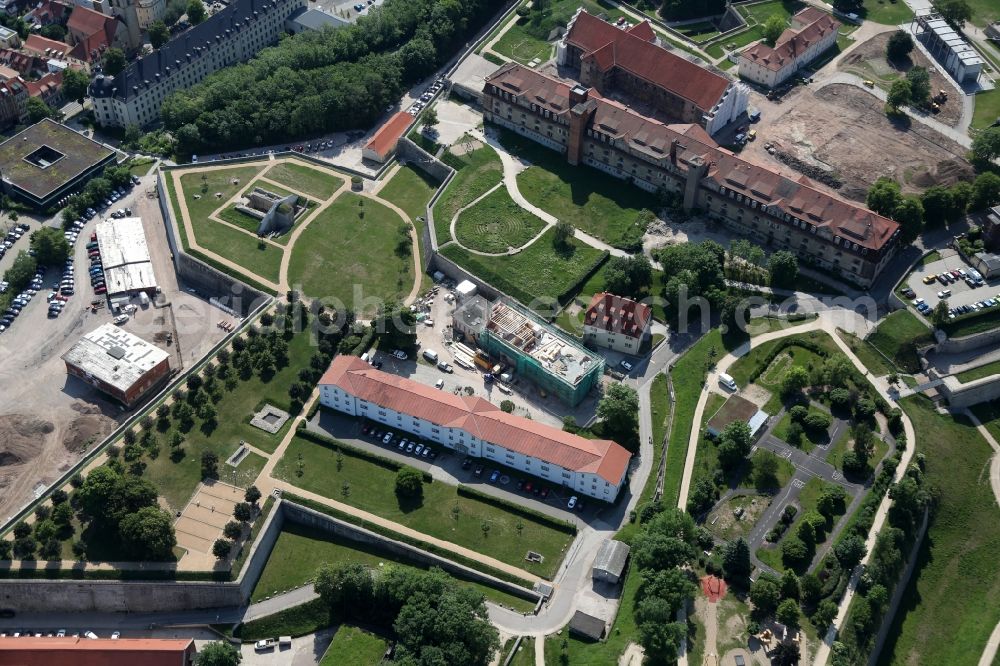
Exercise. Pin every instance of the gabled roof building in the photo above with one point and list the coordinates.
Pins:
(234, 34)
(474, 427)
(617, 323)
(812, 33)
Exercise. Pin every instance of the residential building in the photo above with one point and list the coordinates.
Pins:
(987, 263)
(472, 426)
(46, 48)
(148, 12)
(46, 12)
(234, 34)
(812, 33)
(27, 160)
(48, 89)
(617, 323)
(629, 60)
(13, 103)
(949, 48)
(991, 229)
(81, 651)
(313, 19)
(24, 63)
(122, 365)
(609, 565)
(515, 337)
(92, 33)
(7, 73)
(382, 145)
(9, 39)
(683, 161)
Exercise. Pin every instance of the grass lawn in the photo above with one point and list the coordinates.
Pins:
(351, 645)
(341, 252)
(782, 477)
(525, 653)
(699, 32)
(140, 167)
(518, 45)
(987, 109)
(477, 172)
(953, 600)
(496, 224)
(980, 372)
(843, 444)
(977, 322)
(410, 189)
(586, 198)
(177, 480)
(896, 336)
(248, 222)
(300, 550)
(541, 271)
(305, 179)
(989, 414)
(442, 514)
(810, 438)
(205, 185)
(761, 12)
(257, 258)
(869, 356)
(735, 42)
(886, 11)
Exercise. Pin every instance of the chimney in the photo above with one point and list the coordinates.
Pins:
(577, 94)
(674, 145)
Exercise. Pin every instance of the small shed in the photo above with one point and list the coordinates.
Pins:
(587, 626)
(610, 561)
(465, 289)
(734, 409)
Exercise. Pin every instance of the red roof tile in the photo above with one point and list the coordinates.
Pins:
(69, 651)
(87, 21)
(635, 52)
(617, 314)
(479, 418)
(38, 44)
(792, 42)
(384, 140)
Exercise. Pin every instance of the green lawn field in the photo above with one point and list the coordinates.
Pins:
(354, 646)
(476, 173)
(305, 179)
(896, 337)
(410, 189)
(496, 224)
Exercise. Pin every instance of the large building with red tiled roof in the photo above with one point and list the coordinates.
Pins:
(474, 427)
(76, 651)
(92, 33)
(629, 59)
(382, 145)
(617, 323)
(812, 32)
(682, 160)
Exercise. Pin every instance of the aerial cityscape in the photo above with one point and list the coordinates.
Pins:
(500, 332)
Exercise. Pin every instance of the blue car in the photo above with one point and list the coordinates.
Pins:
(494, 476)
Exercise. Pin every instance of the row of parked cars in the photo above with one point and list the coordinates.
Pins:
(426, 96)
(13, 235)
(96, 267)
(524, 485)
(413, 446)
(971, 277)
(58, 634)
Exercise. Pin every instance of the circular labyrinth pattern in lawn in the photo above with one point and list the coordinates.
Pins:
(496, 224)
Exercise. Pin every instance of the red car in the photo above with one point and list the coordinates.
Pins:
(527, 487)
(101, 290)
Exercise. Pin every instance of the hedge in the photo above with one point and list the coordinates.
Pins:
(355, 452)
(517, 509)
(430, 548)
(571, 291)
(366, 342)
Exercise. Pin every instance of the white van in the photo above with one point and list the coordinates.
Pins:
(431, 355)
(728, 382)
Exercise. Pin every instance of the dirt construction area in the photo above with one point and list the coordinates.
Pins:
(839, 136)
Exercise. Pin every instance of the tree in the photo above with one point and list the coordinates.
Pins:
(956, 12)
(195, 12)
(106, 497)
(619, 410)
(409, 483)
(940, 315)
(38, 110)
(986, 146)
(507, 406)
(795, 380)
(21, 272)
(221, 548)
(899, 95)
(765, 471)
(344, 584)
(774, 25)
(219, 654)
(662, 593)
(113, 61)
(50, 246)
(252, 495)
(920, 85)
(765, 595)
(788, 613)
(910, 215)
(430, 118)
(985, 191)
(233, 530)
(628, 276)
(783, 267)
(831, 501)
(209, 465)
(794, 551)
(148, 534)
(735, 442)
(937, 202)
(900, 45)
(884, 196)
(825, 614)
(449, 627)
(54, 31)
(243, 512)
(75, 84)
(159, 34)
(811, 588)
(562, 233)
(662, 642)
(736, 561)
(790, 586)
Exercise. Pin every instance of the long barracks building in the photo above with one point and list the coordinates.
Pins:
(475, 427)
(822, 230)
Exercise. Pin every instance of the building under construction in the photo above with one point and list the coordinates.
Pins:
(517, 338)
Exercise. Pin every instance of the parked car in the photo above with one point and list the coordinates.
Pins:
(387, 438)
(478, 471)
(419, 448)
(572, 502)
(494, 476)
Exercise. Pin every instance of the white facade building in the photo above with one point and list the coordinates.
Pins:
(475, 427)
(234, 34)
(811, 34)
(617, 323)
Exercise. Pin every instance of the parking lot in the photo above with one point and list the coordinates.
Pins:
(48, 420)
(961, 293)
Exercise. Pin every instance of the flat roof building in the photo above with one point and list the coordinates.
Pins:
(77, 651)
(382, 145)
(48, 161)
(475, 427)
(735, 409)
(313, 19)
(125, 256)
(949, 48)
(120, 364)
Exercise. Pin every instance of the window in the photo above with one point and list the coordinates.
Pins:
(490, 449)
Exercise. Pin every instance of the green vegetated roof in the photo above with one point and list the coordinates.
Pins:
(78, 155)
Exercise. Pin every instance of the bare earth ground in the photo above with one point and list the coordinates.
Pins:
(48, 420)
(842, 130)
(868, 60)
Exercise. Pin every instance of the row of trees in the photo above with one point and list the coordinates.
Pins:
(938, 205)
(94, 192)
(319, 82)
(436, 622)
(244, 513)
